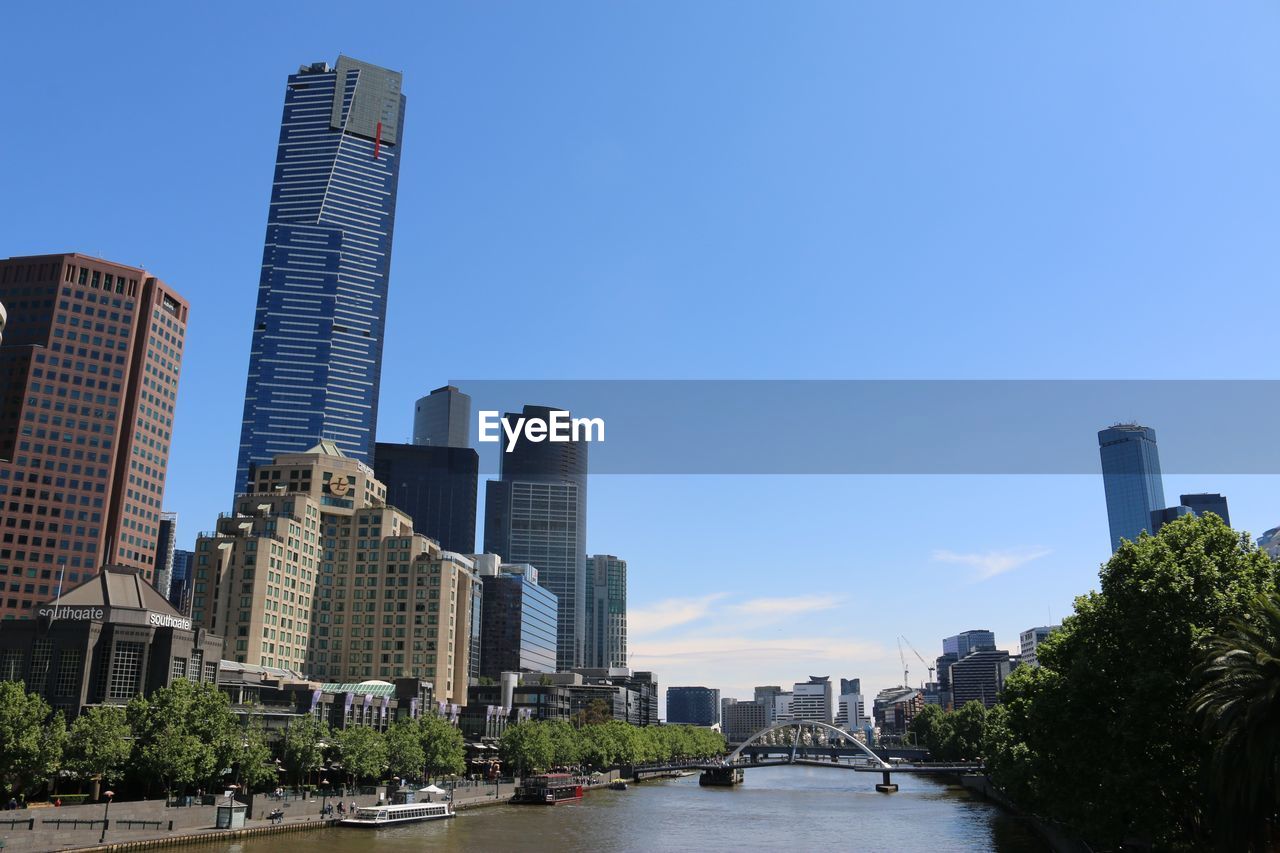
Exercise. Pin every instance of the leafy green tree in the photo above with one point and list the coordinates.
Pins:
(962, 735)
(526, 747)
(31, 738)
(98, 744)
(443, 748)
(363, 752)
(1097, 737)
(252, 756)
(598, 745)
(183, 734)
(1238, 709)
(302, 747)
(627, 742)
(405, 756)
(565, 747)
(930, 728)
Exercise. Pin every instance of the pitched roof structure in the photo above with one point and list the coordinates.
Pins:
(117, 587)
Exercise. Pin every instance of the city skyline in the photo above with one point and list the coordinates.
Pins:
(556, 202)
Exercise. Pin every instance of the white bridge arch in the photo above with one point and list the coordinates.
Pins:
(799, 726)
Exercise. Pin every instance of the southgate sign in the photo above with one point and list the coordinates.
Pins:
(95, 613)
(166, 620)
(74, 614)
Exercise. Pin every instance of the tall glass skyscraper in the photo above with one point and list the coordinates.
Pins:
(537, 514)
(316, 355)
(1131, 479)
(606, 617)
(442, 418)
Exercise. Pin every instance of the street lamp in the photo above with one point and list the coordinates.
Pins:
(105, 811)
(324, 803)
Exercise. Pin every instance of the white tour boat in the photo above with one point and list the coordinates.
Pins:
(375, 816)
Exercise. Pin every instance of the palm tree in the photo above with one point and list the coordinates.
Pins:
(1238, 708)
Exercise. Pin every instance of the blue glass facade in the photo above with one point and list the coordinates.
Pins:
(1131, 479)
(519, 626)
(316, 355)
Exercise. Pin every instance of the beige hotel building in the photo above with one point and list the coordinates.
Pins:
(313, 572)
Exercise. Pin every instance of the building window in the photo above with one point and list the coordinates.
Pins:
(69, 665)
(211, 672)
(11, 665)
(197, 664)
(179, 669)
(41, 654)
(125, 666)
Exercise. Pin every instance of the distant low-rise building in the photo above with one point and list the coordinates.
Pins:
(979, 676)
(631, 697)
(697, 706)
(813, 699)
(1030, 639)
(1270, 542)
(850, 711)
(895, 707)
(278, 696)
(742, 720)
(766, 696)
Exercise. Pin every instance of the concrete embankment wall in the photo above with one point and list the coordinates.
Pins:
(1058, 840)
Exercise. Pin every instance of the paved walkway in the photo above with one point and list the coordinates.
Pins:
(300, 815)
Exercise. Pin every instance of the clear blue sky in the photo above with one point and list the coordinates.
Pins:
(719, 190)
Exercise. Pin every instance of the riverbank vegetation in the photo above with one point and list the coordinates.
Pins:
(185, 738)
(536, 746)
(1153, 720)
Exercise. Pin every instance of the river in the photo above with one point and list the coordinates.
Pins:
(783, 808)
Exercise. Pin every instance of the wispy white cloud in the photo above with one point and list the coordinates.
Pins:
(787, 606)
(991, 563)
(669, 613)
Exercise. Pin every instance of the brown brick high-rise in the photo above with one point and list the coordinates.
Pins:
(88, 378)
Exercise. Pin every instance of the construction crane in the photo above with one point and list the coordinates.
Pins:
(906, 680)
(914, 652)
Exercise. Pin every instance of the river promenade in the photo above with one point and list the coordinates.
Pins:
(134, 824)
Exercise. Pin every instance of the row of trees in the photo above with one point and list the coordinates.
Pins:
(1154, 717)
(180, 736)
(536, 746)
(951, 735)
(186, 736)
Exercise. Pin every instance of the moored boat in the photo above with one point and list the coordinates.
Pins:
(549, 789)
(376, 816)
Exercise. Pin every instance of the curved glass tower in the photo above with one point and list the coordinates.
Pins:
(322, 298)
(1131, 479)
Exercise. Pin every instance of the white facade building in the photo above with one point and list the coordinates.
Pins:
(813, 700)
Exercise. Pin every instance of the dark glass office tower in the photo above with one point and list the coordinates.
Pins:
(1202, 503)
(537, 514)
(316, 355)
(518, 631)
(437, 486)
(1131, 478)
(443, 418)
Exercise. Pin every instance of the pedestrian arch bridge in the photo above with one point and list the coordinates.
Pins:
(810, 743)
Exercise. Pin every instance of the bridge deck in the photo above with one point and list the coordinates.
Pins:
(937, 769)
